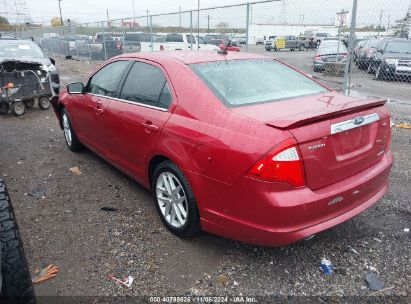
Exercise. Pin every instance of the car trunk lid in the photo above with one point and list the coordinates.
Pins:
(338, 136)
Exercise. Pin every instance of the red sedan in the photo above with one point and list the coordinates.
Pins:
(239, 145)
(231, 48)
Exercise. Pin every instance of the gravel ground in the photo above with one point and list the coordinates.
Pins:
(66, 227)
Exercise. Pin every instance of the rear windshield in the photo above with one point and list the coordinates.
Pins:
(20, 50)
(138, 37)
(331, 48)
(245, 82)
(399, 47)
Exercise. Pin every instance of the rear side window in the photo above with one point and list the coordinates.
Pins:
(105, 81)
(174, 38)
(146, 84)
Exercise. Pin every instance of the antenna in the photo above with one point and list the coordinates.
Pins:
(224, 52)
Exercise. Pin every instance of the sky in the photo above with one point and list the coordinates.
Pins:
(293, 11)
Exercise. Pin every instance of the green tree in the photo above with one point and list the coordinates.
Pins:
(3, 20)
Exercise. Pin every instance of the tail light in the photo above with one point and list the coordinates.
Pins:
(317, 57)
(369, 52)
(344, 55)
(161, 47)
(282, 164)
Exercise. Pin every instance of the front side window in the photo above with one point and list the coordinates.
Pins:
(239, 82)
(105, 81)
(403, 47)
(174, 38)
(146, 84)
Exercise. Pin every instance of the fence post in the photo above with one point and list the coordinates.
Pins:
(104, 46)
(346, 85)
(191, 30)
(247, 27)
(151, 33)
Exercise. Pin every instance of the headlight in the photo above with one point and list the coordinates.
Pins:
(49, 68)
(390, 61)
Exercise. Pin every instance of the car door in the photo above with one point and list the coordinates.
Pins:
(91, 116)
(135, 119)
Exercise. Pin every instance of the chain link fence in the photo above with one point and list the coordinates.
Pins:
(358, 47)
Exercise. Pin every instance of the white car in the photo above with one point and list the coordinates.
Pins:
(185, 41)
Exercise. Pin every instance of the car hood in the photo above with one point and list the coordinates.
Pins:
(42, 61)
(397, 56)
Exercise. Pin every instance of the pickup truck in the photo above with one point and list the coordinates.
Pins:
(288, 42)
(103, 46)
(184, 41)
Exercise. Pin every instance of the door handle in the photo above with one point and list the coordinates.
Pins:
(149, 125)
(99, 111)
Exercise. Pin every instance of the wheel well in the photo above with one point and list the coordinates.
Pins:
(60, 108)
(154, 162)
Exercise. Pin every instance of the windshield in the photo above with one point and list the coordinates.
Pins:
(399, 47)
(373, 43)
(331, 48)
(239, 82)
(20, 50)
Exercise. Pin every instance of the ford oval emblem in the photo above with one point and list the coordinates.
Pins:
(358, 120)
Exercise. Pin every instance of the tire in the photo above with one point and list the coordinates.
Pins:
(191, 222)
(44, 103)
(18, 108)
(16, 280)
(70, 136)
(370, 69)
(29, 103)
(378, 75)
(4, 108)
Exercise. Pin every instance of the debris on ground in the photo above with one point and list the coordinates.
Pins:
(109, 209)
(350, 249)
(340, 270)
(382, 290)
(38, 193)
(75, 170)
(406, 230)
(404, 126)
(126, 282)
(223, 279)
(326, 266)
(41, 275)
(374, 283)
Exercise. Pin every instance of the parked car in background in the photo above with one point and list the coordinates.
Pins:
(366, 52)
(184, 41)
(303, 158)
(103, 46)
(392, 59)
(19, 50)
(231, 46)
(329, 51)
(357, 48)
(259, 41)
(319, 37)
(268, 44)
(215, 39)
(288, 42)
(140, 42)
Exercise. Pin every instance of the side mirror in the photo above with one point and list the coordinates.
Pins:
(52, 61)
(75, 88)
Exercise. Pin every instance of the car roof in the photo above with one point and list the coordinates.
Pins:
(191, 57)
(14, 41)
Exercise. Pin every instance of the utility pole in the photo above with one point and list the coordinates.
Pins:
(134, 15)
(147, 21)
(61, 16)
(388, 24)
(108, 20)
(198, 25)
(208, 24)
(379, 24)
(179, 10)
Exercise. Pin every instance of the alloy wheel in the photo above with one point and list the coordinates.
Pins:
(67, 130)
(172, 199)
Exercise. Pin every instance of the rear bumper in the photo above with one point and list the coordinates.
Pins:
(275, 218)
